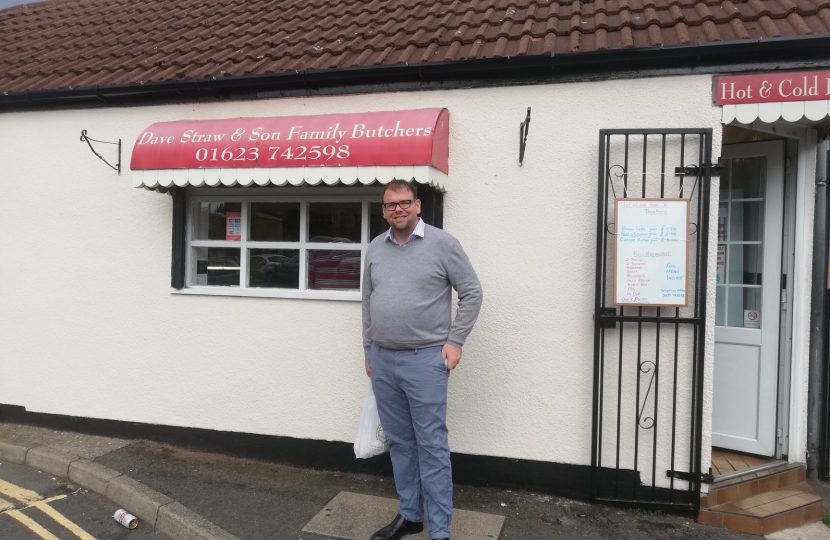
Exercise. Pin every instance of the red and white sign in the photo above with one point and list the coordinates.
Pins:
(772, 87)
(233, 227)
(720, 275)
(415, 137)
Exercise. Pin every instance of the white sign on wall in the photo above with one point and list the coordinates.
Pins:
(651, 252)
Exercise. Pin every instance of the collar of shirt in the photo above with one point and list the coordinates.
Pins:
(419, 231)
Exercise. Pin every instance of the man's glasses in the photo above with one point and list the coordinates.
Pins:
(390, 206)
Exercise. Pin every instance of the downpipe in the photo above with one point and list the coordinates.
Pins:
(815, 392)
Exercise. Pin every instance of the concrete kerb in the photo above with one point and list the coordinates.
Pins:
(176, 521)
(44, 458)
(156, 509)
(13, 452)
(91, 475)
(137, 498)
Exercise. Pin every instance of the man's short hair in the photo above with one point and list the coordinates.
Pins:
(400, 185)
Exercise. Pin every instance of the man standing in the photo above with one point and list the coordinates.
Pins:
(411, 347)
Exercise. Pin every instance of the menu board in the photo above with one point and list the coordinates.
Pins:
(651, 256)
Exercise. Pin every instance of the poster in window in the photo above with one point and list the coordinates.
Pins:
(721, 266)
(233, 230)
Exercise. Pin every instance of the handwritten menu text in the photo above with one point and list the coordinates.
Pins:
(651, 252)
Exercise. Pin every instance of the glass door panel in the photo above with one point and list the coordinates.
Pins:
(740, 243)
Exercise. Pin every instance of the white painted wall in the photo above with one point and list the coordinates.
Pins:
(90, 328)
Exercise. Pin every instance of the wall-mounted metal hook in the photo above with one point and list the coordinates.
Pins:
(524, 127)
(86, 139)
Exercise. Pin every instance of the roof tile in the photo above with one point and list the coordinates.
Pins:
(61, 43)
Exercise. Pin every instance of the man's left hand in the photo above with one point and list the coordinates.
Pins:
(452, 354)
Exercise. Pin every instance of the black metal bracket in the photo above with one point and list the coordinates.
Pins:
(86, 139)
(606, 317)
(694, 170)
(705, 478)
(524, 127)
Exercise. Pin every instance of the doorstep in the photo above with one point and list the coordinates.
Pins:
(762, 502)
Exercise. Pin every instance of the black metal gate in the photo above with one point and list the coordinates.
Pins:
(648, 361)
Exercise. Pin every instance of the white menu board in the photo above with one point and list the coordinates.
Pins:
(651, 256)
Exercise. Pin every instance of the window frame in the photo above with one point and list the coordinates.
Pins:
(244, 244)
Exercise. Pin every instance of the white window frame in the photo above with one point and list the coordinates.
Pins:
(243, 289)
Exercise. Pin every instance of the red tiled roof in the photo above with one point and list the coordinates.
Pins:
(80, 43)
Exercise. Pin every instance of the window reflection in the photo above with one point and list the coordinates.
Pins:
(275, 222)
(334, 269)
(746, 221)
(748, 178)
(278, 268)
(334, 222)
(216, 266)
(745, 264)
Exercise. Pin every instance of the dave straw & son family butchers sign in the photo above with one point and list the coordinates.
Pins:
(415, 137)
(772, 87)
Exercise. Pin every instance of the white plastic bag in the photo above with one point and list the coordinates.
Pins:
(371, 440)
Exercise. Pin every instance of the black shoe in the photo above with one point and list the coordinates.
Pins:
(399, 528)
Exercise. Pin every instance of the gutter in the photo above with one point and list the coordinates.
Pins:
(739, 55)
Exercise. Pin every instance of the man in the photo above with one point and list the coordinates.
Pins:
(411, 347)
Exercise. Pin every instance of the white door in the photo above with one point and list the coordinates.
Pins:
(750, 220)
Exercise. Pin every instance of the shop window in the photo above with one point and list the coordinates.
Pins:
(279, 246)
(289, 248)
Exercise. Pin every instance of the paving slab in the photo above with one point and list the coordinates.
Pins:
(809, 531)
(86, 446)
(352, 516)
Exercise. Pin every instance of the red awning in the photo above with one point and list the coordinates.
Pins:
(335, 148)
(374, 141)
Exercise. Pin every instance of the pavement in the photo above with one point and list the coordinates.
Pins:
(182, 494)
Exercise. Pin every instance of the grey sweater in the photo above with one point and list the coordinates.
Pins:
(407, 296)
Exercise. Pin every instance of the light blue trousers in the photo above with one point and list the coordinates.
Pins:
(411, 392)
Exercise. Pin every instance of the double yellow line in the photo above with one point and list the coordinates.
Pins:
(33, 500)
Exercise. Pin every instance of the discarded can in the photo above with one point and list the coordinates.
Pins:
(125, 518)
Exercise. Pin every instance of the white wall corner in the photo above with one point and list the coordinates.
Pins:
(805, 205)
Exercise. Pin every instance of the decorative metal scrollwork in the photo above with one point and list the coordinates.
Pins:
(647, 367)
(615, 174)
(617, 171)
(85, 138)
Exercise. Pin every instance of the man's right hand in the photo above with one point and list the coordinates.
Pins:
(368, 369)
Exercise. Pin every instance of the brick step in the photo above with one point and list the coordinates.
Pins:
(747, 485)
(767, 511)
